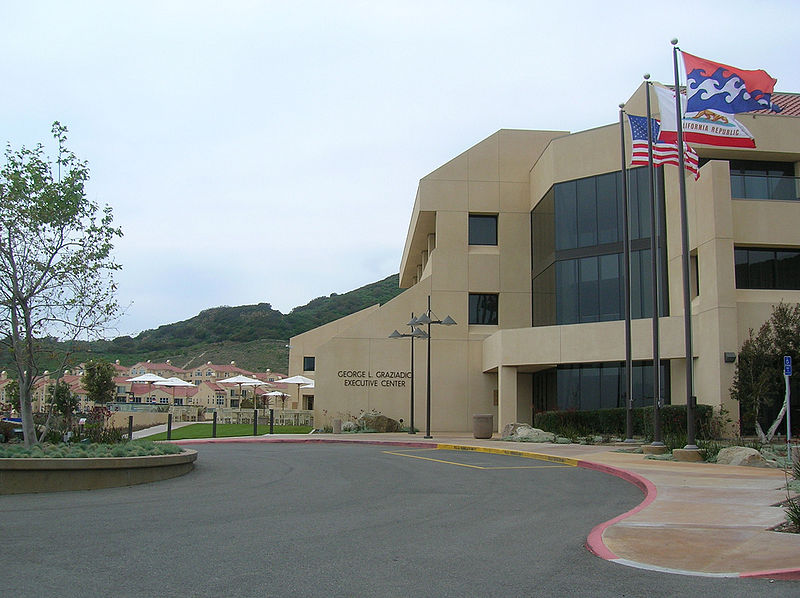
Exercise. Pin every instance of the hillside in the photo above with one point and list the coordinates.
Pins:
(255, 336)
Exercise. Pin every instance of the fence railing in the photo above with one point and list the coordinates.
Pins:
(761, 186)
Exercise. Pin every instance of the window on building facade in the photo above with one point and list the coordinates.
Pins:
(596, 386)
(576, 250)
(309, 363)
(482, 229)
(758, 268)
(763, 180)
(483, 308)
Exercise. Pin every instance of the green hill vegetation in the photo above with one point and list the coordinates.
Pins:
(255, 336)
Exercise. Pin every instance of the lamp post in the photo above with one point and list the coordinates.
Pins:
(415, 333)
(426, 319)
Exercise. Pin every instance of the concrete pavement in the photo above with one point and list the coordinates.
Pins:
(695, 518)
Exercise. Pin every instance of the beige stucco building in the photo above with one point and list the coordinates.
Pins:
(518, 239)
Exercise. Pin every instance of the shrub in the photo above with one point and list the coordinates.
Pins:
(7, 430)
(72, 451)
(573, 423)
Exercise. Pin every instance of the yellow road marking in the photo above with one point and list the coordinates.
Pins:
(495, 451)
(431, 459)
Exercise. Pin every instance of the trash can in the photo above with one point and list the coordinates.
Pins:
(482, 425)
(337, 426)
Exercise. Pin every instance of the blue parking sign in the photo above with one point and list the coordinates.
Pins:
(787, 360)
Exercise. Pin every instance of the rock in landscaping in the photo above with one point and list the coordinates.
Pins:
(741, 455)
(525, 433)
(378, 422)
(511, 429)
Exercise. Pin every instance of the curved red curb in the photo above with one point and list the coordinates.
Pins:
(783, 574)
(594, 543)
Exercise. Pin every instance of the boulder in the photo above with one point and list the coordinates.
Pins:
(378, 422)
(511, 429)
(525, 433)
(741, 455)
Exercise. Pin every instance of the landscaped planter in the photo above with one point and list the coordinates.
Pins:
(55, 475)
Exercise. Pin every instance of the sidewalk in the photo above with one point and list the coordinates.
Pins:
(695, 518)
(159, 429)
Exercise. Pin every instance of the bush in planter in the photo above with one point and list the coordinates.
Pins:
(613, 421)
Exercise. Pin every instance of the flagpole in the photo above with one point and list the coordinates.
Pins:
(626, 252)
(687, 298)
(655, 256)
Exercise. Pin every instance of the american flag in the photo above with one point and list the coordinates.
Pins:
(663, 152)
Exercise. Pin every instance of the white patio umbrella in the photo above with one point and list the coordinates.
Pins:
(299, 380)
(295, 380)
(148, 378)
(244, 381)
(278, 394)
(174, 383)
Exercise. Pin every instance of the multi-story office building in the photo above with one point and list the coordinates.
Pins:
(519, 240)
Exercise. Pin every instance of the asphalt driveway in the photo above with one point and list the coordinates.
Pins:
(335, 520)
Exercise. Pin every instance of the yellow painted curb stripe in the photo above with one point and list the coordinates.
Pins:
(405, 454)
(497, 451)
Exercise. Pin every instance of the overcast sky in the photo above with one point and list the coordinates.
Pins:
(270, 151)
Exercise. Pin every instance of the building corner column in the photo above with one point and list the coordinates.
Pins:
(506, 396)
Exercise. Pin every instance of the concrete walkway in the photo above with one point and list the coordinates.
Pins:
(159, 429)
(695, 518)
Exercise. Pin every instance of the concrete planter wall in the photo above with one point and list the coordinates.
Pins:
(18, 476)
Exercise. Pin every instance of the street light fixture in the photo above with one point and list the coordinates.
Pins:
(426, 319)
(415, 333)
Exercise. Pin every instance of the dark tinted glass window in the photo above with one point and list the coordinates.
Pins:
(567, 292)
(308, 364)
(601, 385)
(482, 230)
(586, 212)
(611, 288)
(483, 308)
(588, 289)
(767, 268)
(762, 180)
(787, 266)
(586, 284)
(608, 217)
(566, 219)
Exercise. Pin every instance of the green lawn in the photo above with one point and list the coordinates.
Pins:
(226, 430)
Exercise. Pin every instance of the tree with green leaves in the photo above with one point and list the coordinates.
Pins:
(98, 382)
(758, 382)
(56, 268)
(12, 394)
(64, 400)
